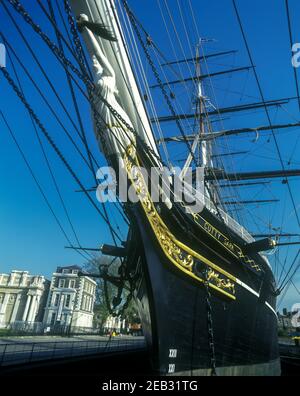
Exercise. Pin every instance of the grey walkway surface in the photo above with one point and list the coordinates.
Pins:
(18, 350)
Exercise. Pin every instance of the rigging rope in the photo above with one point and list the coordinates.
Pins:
(137, 65)
(291, 45)
(50, 140)
(55, 93)
(83, 134)
(38, 183)
(42, 94)
(266, 109)
(84, 70)
(149, 59)
(49, 165)
(67, 63)
(267, 113)
(51, 18)
(284, 281)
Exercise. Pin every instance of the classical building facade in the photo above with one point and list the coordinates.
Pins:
(121, 325)
(114, 323)
(22, 298)
(71, 299)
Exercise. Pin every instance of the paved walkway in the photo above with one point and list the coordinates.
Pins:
(17, 350)
(46, 338)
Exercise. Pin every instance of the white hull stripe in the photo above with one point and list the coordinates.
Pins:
(271, 308)
(255, 294)
(247, 287)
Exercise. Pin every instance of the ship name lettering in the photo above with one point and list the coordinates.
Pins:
(229, 244)
(211, 230)
(221, 238)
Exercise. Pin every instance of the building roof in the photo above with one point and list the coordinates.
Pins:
(71, 267)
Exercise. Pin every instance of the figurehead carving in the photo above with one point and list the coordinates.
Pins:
(115, 136)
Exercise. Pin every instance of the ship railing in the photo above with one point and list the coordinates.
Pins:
(228, 220)
(235, 226)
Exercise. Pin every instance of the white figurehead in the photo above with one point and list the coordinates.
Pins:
(115, 136)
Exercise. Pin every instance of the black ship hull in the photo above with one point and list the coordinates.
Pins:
(175, 318)
(206, 296)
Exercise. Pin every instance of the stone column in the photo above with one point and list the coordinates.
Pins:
(37, 306)
(32, 310)
(60, 307)
(26, 308)
(16, 307)
(3, 307)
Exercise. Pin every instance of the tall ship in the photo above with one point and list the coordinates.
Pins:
(204, 287)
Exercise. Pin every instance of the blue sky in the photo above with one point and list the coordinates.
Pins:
(29, 236)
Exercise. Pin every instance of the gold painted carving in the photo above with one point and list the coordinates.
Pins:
(179, 254)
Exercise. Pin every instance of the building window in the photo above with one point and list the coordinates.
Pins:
(12, 298)
(72, 283)
(68, 299)
(52, 318)
(56, 300)
(61, 283)
(65, 271)
(75, 272)
(83, 303)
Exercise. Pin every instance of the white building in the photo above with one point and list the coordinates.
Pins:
(71, 299)
(115, 323)
(22, 298)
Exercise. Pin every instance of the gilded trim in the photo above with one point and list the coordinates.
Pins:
(178, 253)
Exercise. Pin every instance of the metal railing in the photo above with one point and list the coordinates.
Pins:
(228, 220)
(16, 353)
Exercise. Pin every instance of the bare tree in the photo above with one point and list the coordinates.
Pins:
(108, 291)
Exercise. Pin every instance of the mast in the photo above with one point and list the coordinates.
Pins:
(204, 145)
(198, 141)
(201, 132)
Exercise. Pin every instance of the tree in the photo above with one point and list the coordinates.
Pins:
(101, 309)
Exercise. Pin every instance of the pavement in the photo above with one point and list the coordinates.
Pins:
(20, 350)
(46, 338)
(286, 341)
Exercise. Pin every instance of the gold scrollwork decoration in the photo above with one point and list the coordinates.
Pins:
(179, 254)
(220, 282)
